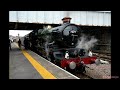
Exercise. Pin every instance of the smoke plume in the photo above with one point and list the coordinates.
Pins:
(46, 45)
(86, 42)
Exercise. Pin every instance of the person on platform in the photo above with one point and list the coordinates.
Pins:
(19, 43)
(9, 44)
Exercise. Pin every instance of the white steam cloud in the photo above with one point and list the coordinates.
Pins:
(86, 42)
(46, 45)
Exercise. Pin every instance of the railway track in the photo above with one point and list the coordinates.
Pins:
(106, 57)
(83, 76)
(102, 57)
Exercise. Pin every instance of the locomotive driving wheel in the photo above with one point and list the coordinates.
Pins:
(82, 68)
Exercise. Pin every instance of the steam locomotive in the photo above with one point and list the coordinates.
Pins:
(58, 45)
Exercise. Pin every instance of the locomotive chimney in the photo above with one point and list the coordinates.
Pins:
(66, 20)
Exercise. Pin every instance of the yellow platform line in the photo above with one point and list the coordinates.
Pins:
(42, 71)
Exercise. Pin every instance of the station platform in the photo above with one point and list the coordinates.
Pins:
(25, 64)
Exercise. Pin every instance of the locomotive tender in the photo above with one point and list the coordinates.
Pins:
(58, 45)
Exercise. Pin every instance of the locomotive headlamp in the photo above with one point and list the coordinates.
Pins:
(66, 55)
(72, 65)
(90, 53)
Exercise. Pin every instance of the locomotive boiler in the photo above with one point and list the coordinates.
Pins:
(66, 35)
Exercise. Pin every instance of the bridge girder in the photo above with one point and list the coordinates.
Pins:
(28, 26)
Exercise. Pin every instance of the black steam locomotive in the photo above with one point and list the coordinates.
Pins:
(58, 45)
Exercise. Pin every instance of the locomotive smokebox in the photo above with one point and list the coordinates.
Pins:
(66, 19)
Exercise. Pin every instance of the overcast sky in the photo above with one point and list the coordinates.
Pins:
(20, 32)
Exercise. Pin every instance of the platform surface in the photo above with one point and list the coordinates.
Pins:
(25, 64)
